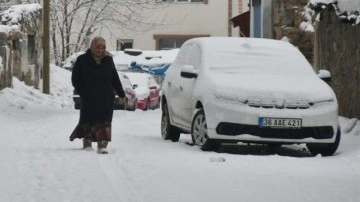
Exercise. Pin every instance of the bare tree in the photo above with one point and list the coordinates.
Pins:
(74, 21)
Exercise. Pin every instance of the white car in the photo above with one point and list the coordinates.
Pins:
(229, 90)
(131, 101)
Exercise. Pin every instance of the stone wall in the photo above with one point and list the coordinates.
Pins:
(6, 71)
(334, 44)
(288, 15)
(338, 50)
(21, 49)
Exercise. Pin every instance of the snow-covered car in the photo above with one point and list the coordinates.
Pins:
(130, 99)
(230, 90)
(147, 91)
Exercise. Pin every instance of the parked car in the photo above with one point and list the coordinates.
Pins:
(130, 99)
(230, 90)
(147, 91)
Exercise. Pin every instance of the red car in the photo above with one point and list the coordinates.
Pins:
(147, 91)
(131, 101)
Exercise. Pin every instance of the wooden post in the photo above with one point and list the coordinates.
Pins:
(46, 46)
(229, 17)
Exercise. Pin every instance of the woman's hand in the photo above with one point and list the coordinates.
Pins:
(121, 100)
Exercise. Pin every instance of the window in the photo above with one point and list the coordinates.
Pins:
(166, 42)
(190, 1)
(31, 49)
(122, 44)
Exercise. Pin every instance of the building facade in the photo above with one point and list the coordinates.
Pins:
(182, 20)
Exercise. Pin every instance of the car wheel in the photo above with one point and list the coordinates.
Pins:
(158, 105)
(148, 104)
(168, 131)
(135, 105)
(126, 104)
(326, 149)
(199, 133)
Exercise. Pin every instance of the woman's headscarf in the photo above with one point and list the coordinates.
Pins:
(94, 42)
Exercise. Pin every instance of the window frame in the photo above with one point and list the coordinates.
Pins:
(159, 37)
(186, 1)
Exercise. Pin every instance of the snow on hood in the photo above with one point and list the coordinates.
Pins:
(245, 87)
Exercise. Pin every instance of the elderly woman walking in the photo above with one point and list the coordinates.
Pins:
(95, 79)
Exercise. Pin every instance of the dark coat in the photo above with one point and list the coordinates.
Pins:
(96, 84)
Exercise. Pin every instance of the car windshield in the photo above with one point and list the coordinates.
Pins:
(259, 63)
(256, 57)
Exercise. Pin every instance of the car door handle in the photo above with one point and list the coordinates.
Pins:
(169, 83)
(181, 88)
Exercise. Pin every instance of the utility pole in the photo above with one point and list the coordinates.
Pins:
(46, 46)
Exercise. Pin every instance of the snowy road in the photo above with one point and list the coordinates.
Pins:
(39, 163)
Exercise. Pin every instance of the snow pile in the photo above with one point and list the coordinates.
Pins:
(69, 62)
(347, 10)
(60, 89)
(4, 29)
(308, 24)
(350, 126)
(17, 14)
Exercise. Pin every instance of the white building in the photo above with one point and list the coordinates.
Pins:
(184, 19)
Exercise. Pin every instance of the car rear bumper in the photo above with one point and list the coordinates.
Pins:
(117, 105)
(142, 104)
(242, 124)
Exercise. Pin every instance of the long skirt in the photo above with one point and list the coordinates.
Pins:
(97, 132)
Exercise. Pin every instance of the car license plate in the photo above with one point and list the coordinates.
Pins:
(294, 123)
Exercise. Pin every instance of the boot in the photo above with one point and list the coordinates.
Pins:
(87, 144)
(102, 147)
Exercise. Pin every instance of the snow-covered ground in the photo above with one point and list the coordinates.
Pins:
(39, 163)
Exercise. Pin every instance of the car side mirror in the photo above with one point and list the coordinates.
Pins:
(188, 71)
(325, 75)
(135, 86)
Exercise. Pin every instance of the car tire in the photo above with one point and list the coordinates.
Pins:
(135, 105)
(168, 131)
(326, 149)
(199, 133)
(126, 105)
(148, 104)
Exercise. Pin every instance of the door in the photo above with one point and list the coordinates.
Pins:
(256, 4)
(188, 102)
(172, 85)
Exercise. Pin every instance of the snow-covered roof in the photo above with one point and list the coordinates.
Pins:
(17, 14)
(347, 10)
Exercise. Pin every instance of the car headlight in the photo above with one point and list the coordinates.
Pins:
(322, 103)
(230, 98)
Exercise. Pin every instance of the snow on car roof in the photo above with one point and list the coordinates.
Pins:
(268, 55)
(140, 79)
